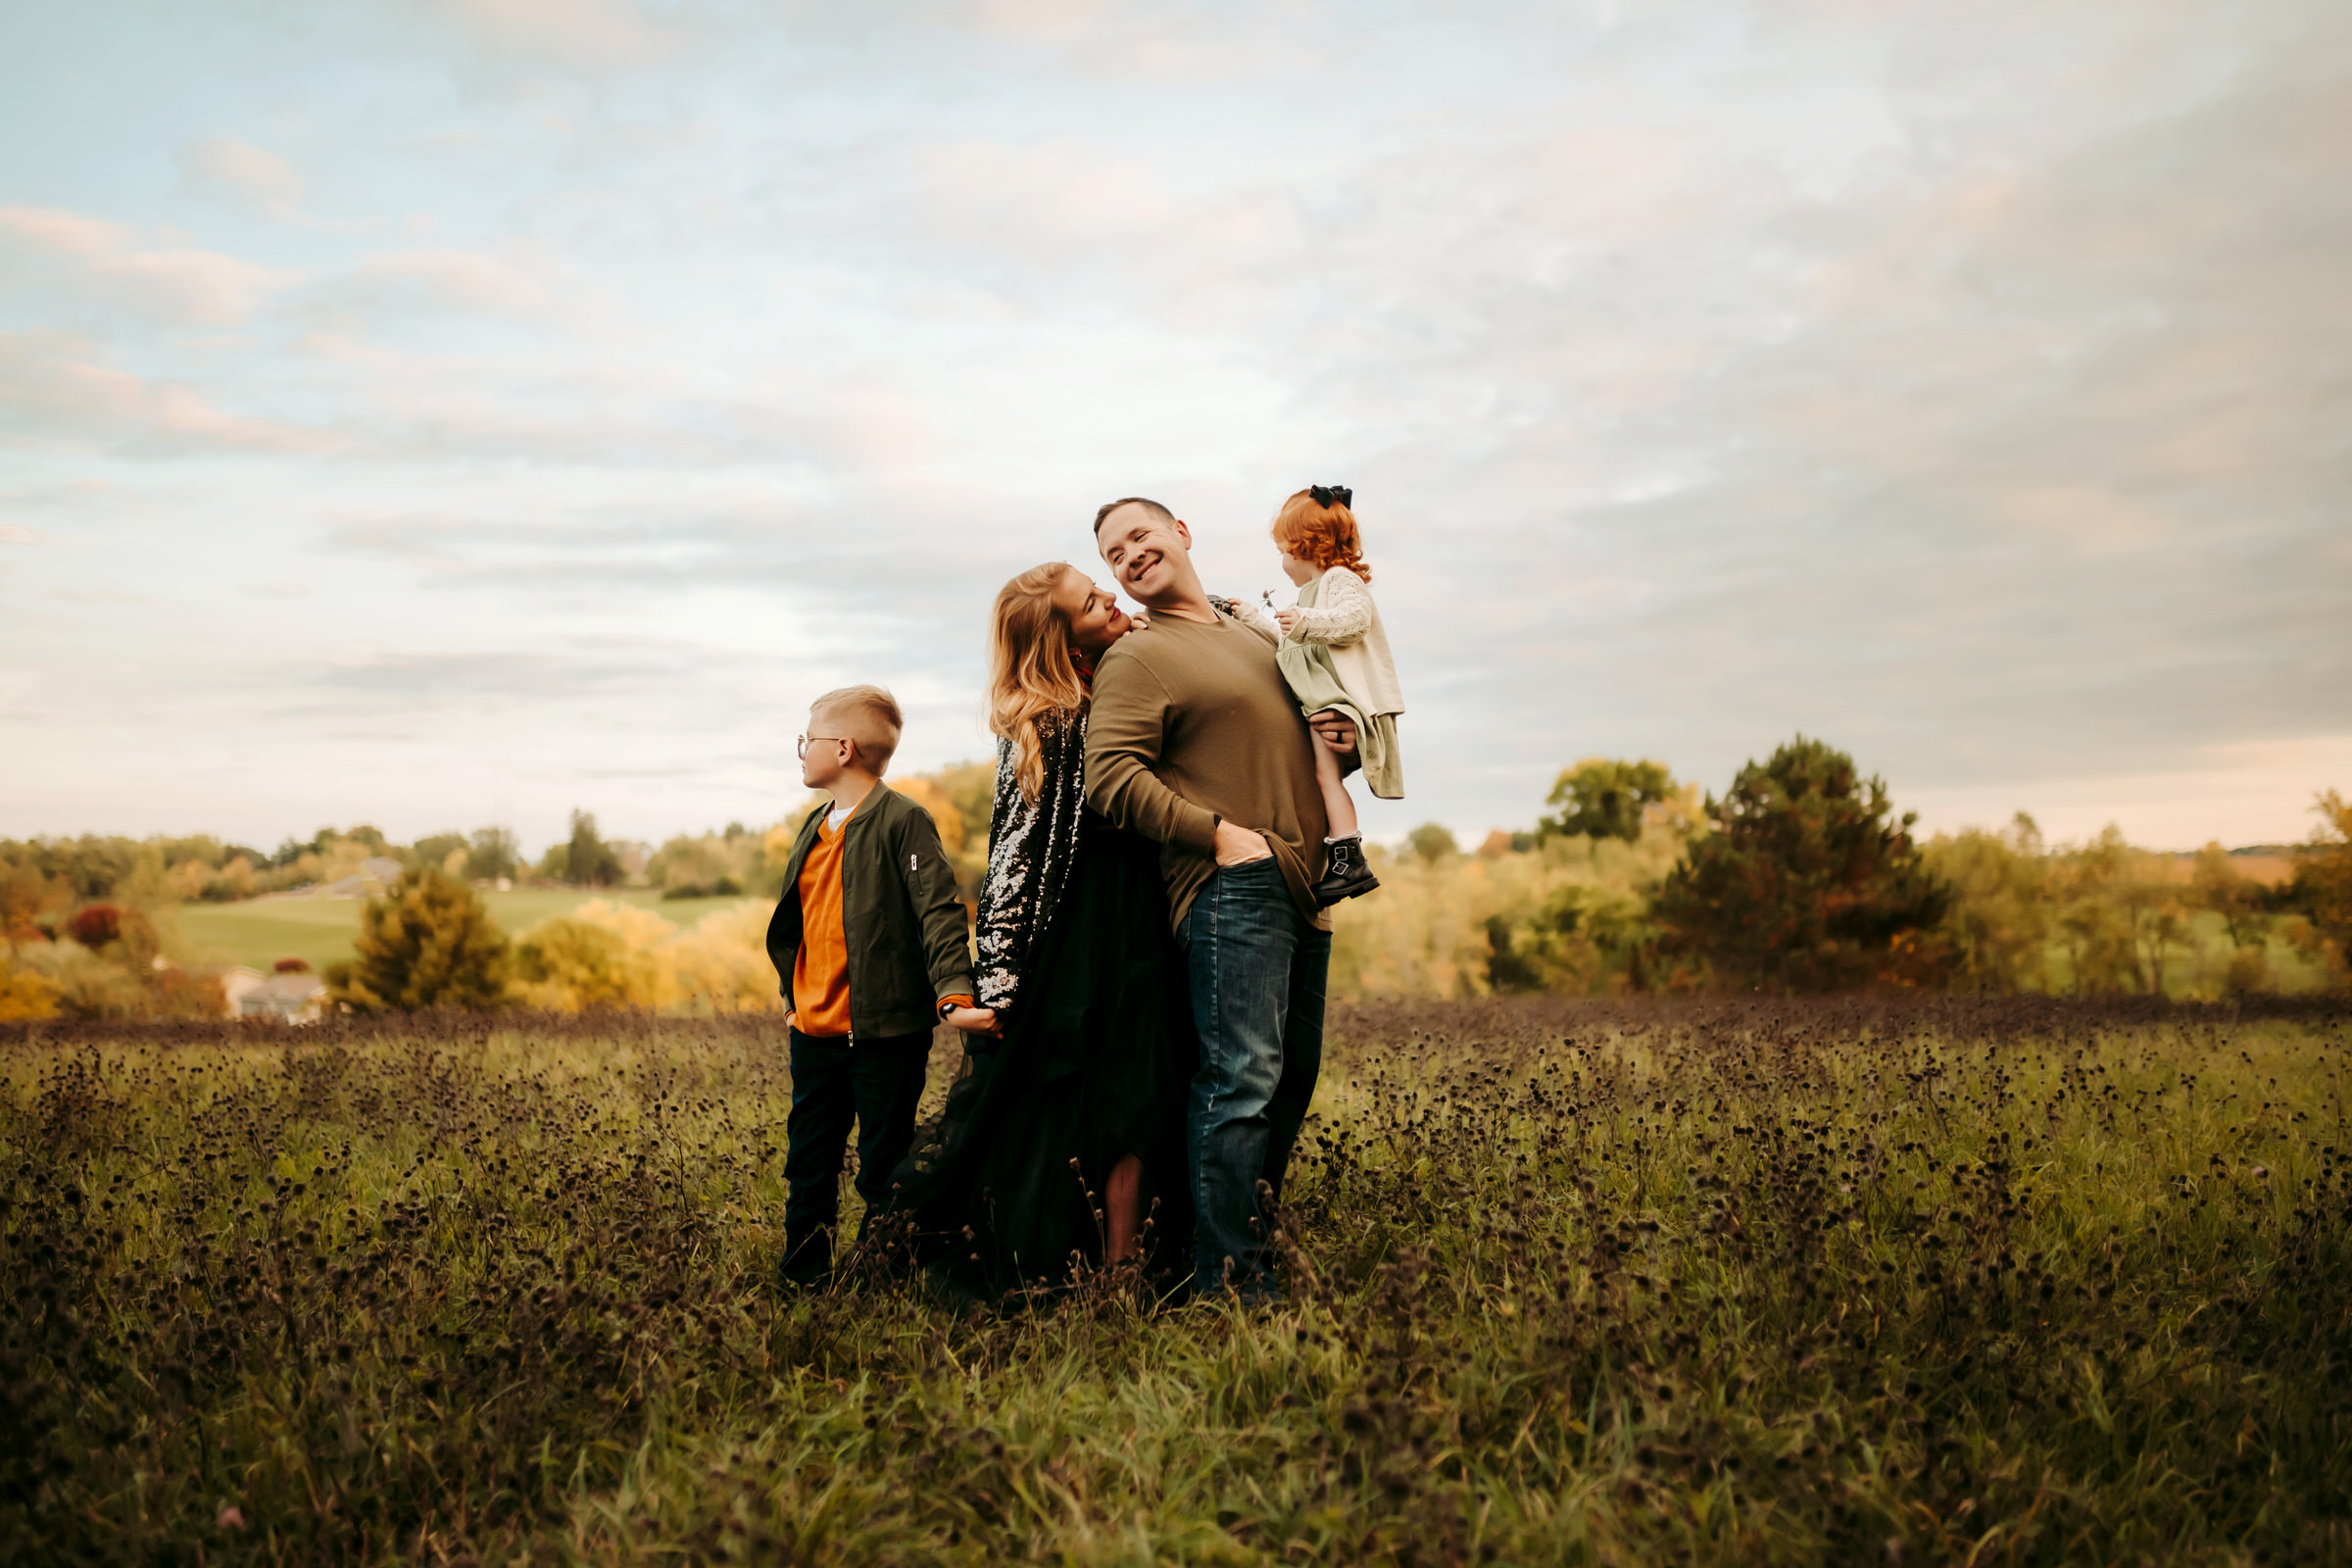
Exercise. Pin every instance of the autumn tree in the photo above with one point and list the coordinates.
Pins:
(1433, 842)
(1999, 918)
(493, 853)
(1604, 799)
(2322, 891)
(428, 943)
(2244, 905)
(1809, 882)
(451, 852)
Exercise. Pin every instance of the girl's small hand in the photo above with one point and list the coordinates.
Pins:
(1288, 617)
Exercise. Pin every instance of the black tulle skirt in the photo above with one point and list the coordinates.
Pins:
(1096, 1062)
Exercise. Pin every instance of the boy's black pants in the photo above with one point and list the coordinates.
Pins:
(875, 1082)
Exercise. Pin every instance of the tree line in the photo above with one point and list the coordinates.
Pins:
(1803, 878)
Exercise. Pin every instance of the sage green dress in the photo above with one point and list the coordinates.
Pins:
(1315, 678)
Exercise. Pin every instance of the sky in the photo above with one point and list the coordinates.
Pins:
(438, 413)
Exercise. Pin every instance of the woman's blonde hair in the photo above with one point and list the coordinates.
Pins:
(1322, 535)
(1033, 674)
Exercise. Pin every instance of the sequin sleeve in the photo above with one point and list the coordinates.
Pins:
(1031, 845)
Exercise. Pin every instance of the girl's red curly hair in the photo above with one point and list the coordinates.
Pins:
(1322, 536)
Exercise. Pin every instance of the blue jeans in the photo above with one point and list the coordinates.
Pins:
(1258, 970)
(875, 1083)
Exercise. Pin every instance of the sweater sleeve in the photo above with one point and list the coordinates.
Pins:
(1124, 738)
(1255, 618)
(1343, 614)
(931, 893)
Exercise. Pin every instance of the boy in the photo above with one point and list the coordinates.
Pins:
(871, 944)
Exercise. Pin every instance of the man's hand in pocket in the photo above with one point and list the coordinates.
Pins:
(1239, 846)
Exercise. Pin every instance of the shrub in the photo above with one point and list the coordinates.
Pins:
(26, 995)
(95, 926)
(574, 965)
(87, 984)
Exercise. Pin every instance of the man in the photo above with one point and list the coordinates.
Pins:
(1196, 741)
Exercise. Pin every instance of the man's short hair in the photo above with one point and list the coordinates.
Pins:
(1128, 501)
(868, 715)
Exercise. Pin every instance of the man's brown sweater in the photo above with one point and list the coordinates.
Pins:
(1193, 724)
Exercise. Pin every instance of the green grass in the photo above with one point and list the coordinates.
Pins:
(261, 931)
(2010, 1282)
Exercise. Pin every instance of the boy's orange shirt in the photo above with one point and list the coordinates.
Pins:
(820, 970)
(821, 974)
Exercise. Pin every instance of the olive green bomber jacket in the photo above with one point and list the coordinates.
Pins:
(907, 935)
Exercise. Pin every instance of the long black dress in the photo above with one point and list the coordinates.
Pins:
(1097, 1056)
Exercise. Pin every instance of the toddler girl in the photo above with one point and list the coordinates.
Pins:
(1334, 655)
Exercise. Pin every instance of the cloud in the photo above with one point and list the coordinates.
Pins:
(538, 676)
(16, 534)
(571, 32)
(49, 388)
(245, 172)
(1969, 391)
(1039, 18)
(177, 283)
(451, 280)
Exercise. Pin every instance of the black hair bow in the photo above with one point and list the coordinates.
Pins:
(1332, 494)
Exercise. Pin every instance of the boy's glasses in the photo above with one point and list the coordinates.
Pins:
(801, 743)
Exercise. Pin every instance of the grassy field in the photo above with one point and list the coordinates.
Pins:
(2017, 1281)
(261, 931)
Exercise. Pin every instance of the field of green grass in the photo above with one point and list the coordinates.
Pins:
(1860, 1282)
(261, 931)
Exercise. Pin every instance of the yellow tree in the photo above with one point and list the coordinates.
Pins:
(2323, 885)
(2000, 919)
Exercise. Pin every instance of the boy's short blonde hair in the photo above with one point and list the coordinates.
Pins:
(868, 715)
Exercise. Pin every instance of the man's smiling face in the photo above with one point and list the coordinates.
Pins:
(1146, 551)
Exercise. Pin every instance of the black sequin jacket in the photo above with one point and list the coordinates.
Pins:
(1031, 846)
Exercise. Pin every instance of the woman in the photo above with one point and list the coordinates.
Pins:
(1079, 1105)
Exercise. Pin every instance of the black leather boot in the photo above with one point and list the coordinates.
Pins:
(1345, 873)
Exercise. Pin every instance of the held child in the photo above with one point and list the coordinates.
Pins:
(1334, 654)
(871, 942)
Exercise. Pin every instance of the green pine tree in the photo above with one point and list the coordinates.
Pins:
(429, 943)
(1809, 883)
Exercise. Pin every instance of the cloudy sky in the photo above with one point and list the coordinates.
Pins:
(444, 411)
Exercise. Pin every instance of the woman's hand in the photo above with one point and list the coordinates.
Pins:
(1239, 846)
(976, 1020)
(1288, 617)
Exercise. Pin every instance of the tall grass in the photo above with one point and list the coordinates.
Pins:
(2029, 1281)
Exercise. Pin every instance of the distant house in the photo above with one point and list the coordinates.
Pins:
(293, 996)
(236, 984)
